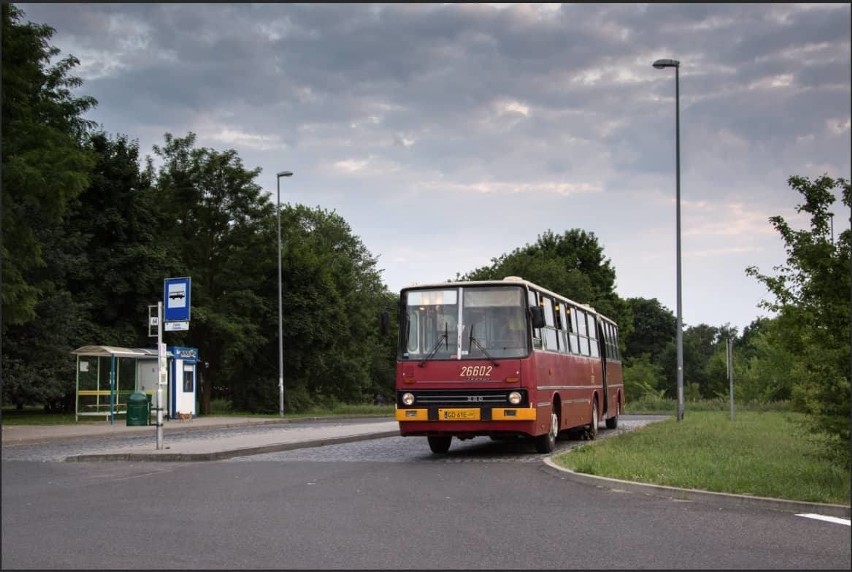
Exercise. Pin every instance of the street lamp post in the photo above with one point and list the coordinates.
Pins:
(280, 302)
(662, 64)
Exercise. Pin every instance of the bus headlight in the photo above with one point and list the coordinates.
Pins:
(515, 398)
(407, 398)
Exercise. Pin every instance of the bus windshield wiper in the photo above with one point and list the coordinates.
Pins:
(444, 338)
(473, 340)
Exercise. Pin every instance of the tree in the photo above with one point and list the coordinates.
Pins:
(45, 164)
(654, 327)
(92, 287)
(120, 266)
(572, 264)
(812, 302)
(216, 227)
(333, 297)
(764, 375)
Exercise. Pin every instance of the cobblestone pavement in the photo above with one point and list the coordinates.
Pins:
(388, 449)
(408, 449)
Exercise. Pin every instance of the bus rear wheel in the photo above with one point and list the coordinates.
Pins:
(547, 442)
(592, 428)
(612, 422)
(439, 444)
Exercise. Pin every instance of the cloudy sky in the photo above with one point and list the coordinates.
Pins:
(449, 134)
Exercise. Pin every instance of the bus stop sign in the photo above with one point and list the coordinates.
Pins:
(176, 299)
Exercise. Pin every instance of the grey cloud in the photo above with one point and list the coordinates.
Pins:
(351, 82)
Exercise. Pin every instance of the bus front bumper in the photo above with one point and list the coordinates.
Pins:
(450, 415)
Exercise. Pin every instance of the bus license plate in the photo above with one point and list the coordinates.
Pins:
(458, 414)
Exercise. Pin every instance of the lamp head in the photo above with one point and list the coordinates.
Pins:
(285, 174)
(660, 64)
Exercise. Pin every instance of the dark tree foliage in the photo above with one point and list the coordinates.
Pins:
(332, 295)
(45, 164)
(654, 327)
(93, 284)
(118, 273)
(573, 265)
(812, 302)
(221, 231)
(213, 224)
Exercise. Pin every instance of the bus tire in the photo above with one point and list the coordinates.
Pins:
(439, 444)
(592, 428)
(547, 442)
(612, 422)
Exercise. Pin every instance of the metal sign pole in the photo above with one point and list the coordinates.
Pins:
(730, 347)
(161, 367)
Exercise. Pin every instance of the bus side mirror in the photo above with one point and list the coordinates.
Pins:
(537, 315)
(384, 323)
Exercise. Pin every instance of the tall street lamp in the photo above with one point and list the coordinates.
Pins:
(661, 64)
(280, 303)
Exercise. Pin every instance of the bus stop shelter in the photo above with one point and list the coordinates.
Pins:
(107, 375)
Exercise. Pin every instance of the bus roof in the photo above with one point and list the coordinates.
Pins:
(504, 282)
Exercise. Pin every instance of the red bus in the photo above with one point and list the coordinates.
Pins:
(503, 358)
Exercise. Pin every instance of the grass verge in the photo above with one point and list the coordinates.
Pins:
(758, 453)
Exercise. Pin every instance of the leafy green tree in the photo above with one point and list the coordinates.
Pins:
(654, 328)
(120, 264)
(762, 364)
(642, 378)
(572, 264)
(92, 287)
(216, 228)
(700, 343)
(812, 304)
(333, 296)
(45, 164)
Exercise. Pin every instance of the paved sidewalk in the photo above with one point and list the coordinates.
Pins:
(18, 434)
(281, 435)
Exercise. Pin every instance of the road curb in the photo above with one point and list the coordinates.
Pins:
(222, 455)
(675, 493)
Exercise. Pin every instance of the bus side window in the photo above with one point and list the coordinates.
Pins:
(583, 331)
(593, 337)
(615, 345)
(612, 343)
(549, 329)
(532, 300)
(561, 326)
(573, 335)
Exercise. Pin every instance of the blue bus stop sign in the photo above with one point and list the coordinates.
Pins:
(176, 299)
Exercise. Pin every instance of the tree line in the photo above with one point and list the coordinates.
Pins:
(90, 229)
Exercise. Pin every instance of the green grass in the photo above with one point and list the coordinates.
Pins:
(35, 416)
(758, 453)
(651, 404)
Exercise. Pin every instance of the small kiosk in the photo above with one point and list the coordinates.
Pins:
(182, 382)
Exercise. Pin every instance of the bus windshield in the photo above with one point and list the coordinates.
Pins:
(470, 322)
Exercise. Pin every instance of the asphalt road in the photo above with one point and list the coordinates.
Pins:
(379, 504)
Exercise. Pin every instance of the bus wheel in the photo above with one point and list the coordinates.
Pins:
(547, 442)
(440, 444)
(612, 422)
(592, 428)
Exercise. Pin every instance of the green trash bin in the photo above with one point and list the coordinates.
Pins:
(138, 409)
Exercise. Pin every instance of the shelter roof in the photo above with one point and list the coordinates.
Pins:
(108, 351)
